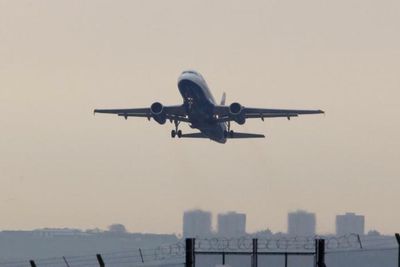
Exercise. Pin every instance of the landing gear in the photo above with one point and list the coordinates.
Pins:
(229, 133)
(176, 132)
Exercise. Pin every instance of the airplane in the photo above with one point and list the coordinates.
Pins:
(202, 112)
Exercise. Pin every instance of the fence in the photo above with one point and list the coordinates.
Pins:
(351, 250)
(169, 255)
(244, 252)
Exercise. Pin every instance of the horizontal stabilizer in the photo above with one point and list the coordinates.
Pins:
(194, 135)
(244, 135)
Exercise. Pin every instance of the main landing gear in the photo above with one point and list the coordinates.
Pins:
(176, 132)
(229, 133)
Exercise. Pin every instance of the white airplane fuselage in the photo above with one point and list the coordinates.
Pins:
(200, 104)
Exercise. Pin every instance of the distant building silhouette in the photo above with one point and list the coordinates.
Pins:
(196, 223)
(231, 224)
(56, 232)
(350, 223)
(373, 233)
(301, 223)
(117, 228)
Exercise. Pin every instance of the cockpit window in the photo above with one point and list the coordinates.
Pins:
(192, 72)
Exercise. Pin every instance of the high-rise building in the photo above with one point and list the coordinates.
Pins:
(350, 223)
(301, 223)
(231, 224)
(196, 223)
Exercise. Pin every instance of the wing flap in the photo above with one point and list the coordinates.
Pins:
(134, 115)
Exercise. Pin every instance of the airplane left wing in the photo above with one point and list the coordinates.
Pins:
(228, 113)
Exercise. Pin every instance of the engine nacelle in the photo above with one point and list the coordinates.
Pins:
(158, 113)
(236, 113)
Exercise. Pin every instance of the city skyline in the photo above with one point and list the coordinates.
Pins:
(199, 222)
(208, 225)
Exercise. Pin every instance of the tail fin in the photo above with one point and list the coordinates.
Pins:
(223, 99)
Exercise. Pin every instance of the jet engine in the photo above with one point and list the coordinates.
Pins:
(158, 113)
(236, 113)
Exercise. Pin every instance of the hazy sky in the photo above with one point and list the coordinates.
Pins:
(62, 167)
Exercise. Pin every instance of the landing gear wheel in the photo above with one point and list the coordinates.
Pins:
(176, 132)
(231, 133)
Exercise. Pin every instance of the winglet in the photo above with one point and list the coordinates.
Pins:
(223, 99)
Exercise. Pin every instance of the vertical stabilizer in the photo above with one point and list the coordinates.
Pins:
(223, 99)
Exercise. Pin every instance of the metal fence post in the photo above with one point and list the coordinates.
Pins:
(316, 253)
(32, 262)
(141, 255)
(286, 259)
(190, 257)
(100, 260)
(398, 242)
(254, 256)
(66, 262)
(320, 252)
